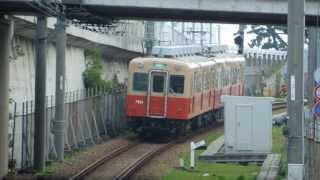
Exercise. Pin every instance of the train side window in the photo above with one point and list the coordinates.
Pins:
(207, 80)
(197, 81)
(176, 84)
(140, 81)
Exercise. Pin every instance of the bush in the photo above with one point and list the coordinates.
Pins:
(92, 76)
(240, 178)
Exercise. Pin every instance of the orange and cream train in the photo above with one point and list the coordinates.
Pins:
(174, 94)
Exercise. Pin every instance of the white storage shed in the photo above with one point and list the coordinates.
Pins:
(247, 124)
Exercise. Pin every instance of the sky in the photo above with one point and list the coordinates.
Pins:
(227, 31)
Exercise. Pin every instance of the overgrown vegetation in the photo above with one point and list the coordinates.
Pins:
(228, 171)
(215, 171)
(92, 76)
(279, 147)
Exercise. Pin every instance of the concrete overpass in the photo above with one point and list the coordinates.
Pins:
(227, 11)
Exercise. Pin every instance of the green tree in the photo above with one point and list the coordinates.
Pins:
(92, 74)
(268, 37)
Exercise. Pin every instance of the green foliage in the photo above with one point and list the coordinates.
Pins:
(278, 147)
(92, 76)
(268, 37)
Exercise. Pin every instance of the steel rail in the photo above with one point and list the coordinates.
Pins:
(93, 166)
(279, 105)
(135, 166)
(139, 163)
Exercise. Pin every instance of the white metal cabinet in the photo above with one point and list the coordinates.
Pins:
(248, 124)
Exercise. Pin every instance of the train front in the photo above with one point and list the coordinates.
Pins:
(157, 98)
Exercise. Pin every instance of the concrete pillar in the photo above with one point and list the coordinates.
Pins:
(253, 76)
(40, 95)
(296, 30)
(59, 122)
(6, 34)
(252, 82)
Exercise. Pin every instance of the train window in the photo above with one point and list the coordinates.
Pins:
(197, 81)
(207, 80)
(176, 84)
(140, 81)
(158, 83)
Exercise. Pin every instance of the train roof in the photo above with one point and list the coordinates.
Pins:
(193, 61)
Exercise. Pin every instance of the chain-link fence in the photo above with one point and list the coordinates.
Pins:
(90, 116)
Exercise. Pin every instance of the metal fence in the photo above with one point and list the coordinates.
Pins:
(90, 116)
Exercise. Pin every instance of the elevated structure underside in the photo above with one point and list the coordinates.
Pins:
(228, 11)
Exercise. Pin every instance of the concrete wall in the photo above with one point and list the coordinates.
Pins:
(22, 69)
(118, 44)
(117, 67)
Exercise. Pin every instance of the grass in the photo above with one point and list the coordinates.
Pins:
(223, 171)
(54, 166)
(279, 147)
(214, 171)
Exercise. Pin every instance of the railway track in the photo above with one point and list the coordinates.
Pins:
(279, 105)
(125, 161)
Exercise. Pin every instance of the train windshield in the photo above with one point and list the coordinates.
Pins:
(176, 84)
(140, 81)
(158, 83)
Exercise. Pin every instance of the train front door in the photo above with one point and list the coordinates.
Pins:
(157, 96)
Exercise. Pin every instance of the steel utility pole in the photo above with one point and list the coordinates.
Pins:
(201, 34)
(183, 33)
(296, 25)
(6, 35)
(193, 34)
(59, 122)
(210, 33)
(219, 34)
(40, 94)
(172, 34)
(149, 36)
